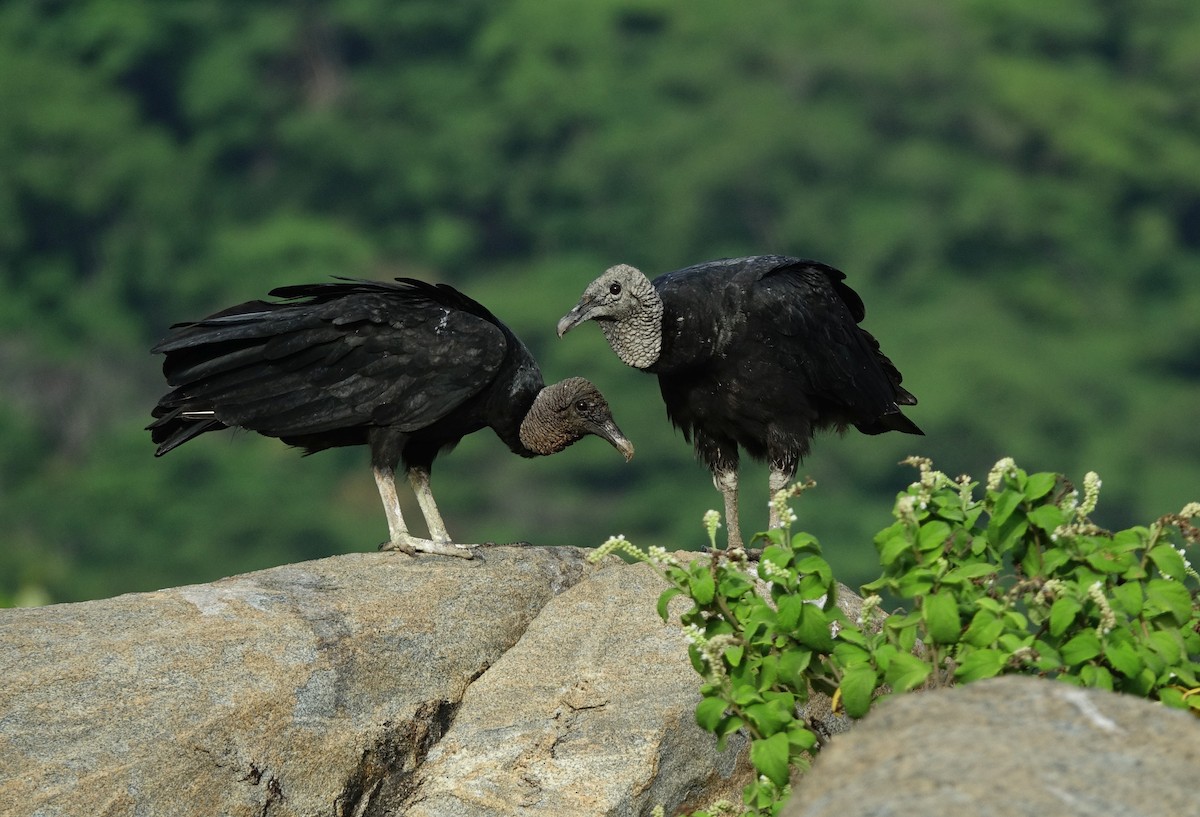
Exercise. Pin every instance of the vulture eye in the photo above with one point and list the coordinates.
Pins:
(615, 288)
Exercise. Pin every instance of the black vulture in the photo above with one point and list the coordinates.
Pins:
(756, 352)
(407, 369)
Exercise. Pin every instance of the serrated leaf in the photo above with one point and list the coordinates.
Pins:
(701, 587)
(942, 621)
(1165, 596)
(788, 610)
(1047, 517)
(792, 663)
(767, 718)
(1168, 645)
(892, 549)
(813, 630)
(709, 713)
(1038, 485)
(1062, 614)
(770, 757)
(1003, 509)
(1169, 562)
(1124, 658)
(984, 629)
(975, 570)
(981, 664)
(906, 672)
(933, 535)
(857, 687)
(1128, 597)
(1081, 648)
(664, 601)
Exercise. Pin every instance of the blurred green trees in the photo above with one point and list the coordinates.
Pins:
(1013, 187)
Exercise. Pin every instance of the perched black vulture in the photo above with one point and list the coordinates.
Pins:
(407, 369)
(756, 352)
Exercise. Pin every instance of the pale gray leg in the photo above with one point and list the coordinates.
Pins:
(727, 483)
(419, 479)
(400, 538)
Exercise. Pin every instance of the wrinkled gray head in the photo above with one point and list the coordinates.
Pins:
(566, 412)
(629, 311)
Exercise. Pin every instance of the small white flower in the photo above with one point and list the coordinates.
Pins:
(1004, 467)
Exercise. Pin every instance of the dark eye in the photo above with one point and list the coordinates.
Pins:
(614, 288)
(583, 406)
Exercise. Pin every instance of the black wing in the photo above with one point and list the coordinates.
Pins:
(809, 317)
(337, 356)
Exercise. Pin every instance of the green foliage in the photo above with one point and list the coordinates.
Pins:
(1019, 580)
(1022, 580)
(991, 176)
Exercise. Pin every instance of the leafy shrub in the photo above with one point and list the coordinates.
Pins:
(1018, 580)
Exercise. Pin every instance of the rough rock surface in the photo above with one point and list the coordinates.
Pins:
(320, 688)
(1009, 747)
(595, 720)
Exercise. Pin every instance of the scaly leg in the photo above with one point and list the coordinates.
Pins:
(400, 538)
(419, 479)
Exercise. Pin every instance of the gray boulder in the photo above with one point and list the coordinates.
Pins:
(1009, 747)
(369, 684)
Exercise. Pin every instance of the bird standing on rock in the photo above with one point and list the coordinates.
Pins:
(407, 369)
(756, 352)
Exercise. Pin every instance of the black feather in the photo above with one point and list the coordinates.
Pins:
(752, 354)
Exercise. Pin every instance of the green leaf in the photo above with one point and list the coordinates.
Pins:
(1047, 517)
(1168, 645)
(906, 672)
(984, 629)
(701, 587)
(1003, 509)
(1169, 562)
(1166, 596)
(975, 570)
(734, 653)
(933, 535)
(893, 548)
(792, 663)
(1038, 485)
(981, 664)
(814, 629)
(1124, 658)
(940, 612)
(788, 610)
(709, 713)
(665, 599)
(1062, 614)
(1128, 597)
(770, 757)
(768, 718)
(858, 686)
(1081, 648)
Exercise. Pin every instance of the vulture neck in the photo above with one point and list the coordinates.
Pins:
(542, 431)
(637, 337)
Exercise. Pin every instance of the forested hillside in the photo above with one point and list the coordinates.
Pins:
(1012, 186)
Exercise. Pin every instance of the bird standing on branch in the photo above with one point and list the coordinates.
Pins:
(755, 352)
(407, 369)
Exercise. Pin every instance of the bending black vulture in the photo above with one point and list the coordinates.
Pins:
(756, 352)
(407, 369)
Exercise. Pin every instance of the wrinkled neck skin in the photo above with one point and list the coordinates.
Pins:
(542, 431)
(637, 337)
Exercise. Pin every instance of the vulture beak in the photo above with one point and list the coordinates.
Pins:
(582, 312)
(610, 432)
